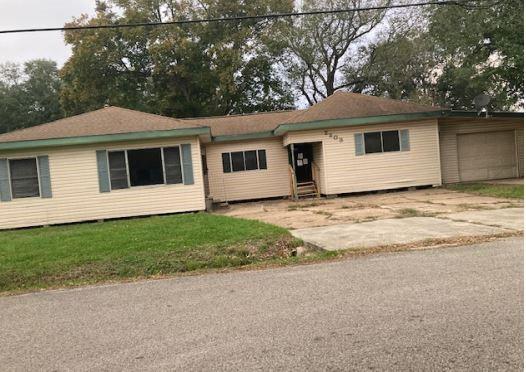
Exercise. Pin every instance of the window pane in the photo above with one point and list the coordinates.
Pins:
(391, 141)
(238, 162)
(118, 174)
(262, 155)
(373, 142)
(251, 160)
(145, 167)
(226, 162)
(172, 165)
(24, 178)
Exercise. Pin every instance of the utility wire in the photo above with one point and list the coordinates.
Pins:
(235, 18)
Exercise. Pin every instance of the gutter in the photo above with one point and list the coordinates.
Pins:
(120, 137)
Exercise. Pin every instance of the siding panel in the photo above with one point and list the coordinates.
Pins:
(254, 184)
(345, 172)
(450, 128)
(76, 194)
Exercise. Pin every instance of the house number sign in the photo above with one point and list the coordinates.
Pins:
(333, 136)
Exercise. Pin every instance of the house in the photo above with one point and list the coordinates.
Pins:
(116, 162)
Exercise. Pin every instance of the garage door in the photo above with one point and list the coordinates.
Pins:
(487, 156)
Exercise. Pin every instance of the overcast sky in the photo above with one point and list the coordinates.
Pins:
(16, 14)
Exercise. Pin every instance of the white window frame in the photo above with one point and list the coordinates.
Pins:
(11, 181)
(244, 161)
(382, 141)
(125, 150)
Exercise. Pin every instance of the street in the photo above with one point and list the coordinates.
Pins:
(449, 308)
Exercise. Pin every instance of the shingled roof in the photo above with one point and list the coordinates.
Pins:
(116, 120)
(345, 105)
(108, 120)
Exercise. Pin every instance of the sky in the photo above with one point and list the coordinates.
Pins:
(15, 14)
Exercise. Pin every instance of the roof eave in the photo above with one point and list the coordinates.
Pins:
(491, 114)
(243, 136)
(380, 119)
(202, 132)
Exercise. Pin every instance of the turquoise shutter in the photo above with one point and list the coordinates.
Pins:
(404, 140)
(45, 177)
(188, 169)
(358, 144)
(5, 187)
(104, 173)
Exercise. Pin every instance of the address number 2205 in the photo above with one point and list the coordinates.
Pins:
(333, 136)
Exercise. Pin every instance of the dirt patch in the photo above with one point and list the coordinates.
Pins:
(363, 207)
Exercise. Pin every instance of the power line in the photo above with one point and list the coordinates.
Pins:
(236, 18)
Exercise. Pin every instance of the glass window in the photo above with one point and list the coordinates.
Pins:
(238, 161)
(24, 178)
(251, 160)
(118, 172)
(145, 167)
(262, 157)
(391, 141)
(373, 142)
(172, 165)
(226, 162)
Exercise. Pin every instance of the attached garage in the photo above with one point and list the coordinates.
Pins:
(477, 149)
(487, 156)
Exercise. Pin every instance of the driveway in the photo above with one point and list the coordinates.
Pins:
(449, 309)
(434, 202)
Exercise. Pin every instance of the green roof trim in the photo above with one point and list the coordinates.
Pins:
(89, 140)
(334, 123)
(496, 114)
(244, 136)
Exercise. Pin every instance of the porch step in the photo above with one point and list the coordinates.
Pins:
(306, 189)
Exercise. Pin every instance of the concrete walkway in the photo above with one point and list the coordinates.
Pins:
(413, 229)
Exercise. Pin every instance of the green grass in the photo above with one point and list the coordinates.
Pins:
(144, 247)
(495, 190)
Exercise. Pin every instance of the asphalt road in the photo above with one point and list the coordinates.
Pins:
(451, 308)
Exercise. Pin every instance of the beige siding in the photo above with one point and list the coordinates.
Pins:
(76, 195)
(345, 172)
(319, 161)
(255, 184)
(451, 128)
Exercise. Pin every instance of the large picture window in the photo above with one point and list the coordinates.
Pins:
(24, 178)
(143, 167)
(386, 141)
(240, 161)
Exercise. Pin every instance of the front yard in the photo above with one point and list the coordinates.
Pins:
(495, 190)
(145, 247)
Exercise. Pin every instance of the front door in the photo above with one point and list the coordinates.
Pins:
(303, 162)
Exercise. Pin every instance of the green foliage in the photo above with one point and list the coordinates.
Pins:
(29, 95)
(203, 69)
(141, 247)
(495, 190)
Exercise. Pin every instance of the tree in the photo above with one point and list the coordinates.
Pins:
(481, 49)
(191, 70)
(29, 95)
(321, 45)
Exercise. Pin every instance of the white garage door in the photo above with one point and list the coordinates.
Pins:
(487, 156)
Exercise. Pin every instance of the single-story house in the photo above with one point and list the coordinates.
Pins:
(115, 162)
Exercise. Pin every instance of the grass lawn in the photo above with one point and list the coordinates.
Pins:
(144, 247)
(496, 190)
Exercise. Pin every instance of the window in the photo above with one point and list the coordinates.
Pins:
(373, 142)
(118, 170)
(251, 160)
(391, 141)
(244, 160)
(24, 178)
(172, 164)
(387, 141)
(143, 167)
(238, 161)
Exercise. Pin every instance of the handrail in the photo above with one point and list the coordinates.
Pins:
(293, 184)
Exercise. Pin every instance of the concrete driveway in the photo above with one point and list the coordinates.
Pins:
(448, 309)
(432, 202)
(414, 229)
